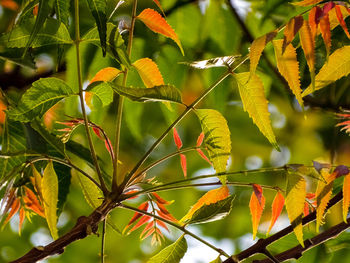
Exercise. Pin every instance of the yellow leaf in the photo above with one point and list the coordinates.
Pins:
(256, 207)
(256, 104)
(211, 197)
(323, 194)
(50, 196)
(257, 48)
(308, 44)
(346, 196)
(37, 181)
(291, 30)
(295, 198)
(307, 2)
(106, 74)
(336, 15)
(338, 66)
(149, 72)
(288, 66)
(217, 139)
(154, 21)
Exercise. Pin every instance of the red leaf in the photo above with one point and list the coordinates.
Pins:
(326, 32)
(163, 225)
(14, 208)
(256, 208)
(327, 7)
(310, 195)
(177, 139)
(183, 164)
(203, 156)
(137, 215)
(160, 200)
(147, 228)
(258, 191)
(306, 208)
(97, 132)
(291, 30)
(166, 216)
(200, 139)
(144, 219)
(341, 20)
(315, 15)
(277, 207)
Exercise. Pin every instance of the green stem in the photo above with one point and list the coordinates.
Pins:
(120, 102)
(182, 228)
(82, 104)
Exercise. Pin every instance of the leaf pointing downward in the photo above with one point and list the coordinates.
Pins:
(346, 196)
(172, 253)
(291, 30)
(149, 72)
(277, 206)
(154, 21)
(255, 103)
(256, 206)
(50, 196)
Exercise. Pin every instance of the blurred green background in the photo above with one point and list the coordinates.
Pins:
(206, 28)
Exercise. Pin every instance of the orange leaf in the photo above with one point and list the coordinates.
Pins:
(257, 48)
(106, 74)
(308, 44)
(341, 20)
(137, 215)
(149, 72)
(288, 66)
(277, 206)
(210, 197)
(154, 21)
(167, 216)
(22, 215)
(177, 139)
(147, 228)
(326, 32)
(307, 2)
(346, 196)
(144, 219)
(201, 154)
(291, 30)
(159, 6)
(256, 205)
(32, 203)
(9, 4)
(200, 139)
(160, 200)
(183, 164)
(323, 194)
(315, 15)
(306, 208)
(14, 208)
(163, 225)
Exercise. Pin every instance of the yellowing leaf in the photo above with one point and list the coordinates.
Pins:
(149, 72)
(217, 138)
(295, 198)
(257, 48)
(256, 206)
(288, 66)
(346, 196)
(211, 197)
(326, 32)
(291, 30)
(50, 196)
(307, 2)
(277, 207)
(37, 181)
(338, 66)
(106, 74)
(255, 103)
(323, 194)
(335, 15)
(308, 44)
(154, 21)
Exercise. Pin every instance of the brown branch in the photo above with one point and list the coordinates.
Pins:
(84, 227)
(261, 245)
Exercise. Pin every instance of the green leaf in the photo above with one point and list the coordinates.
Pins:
(172, 253)
(51, 33)
(50, 196)
(62, 11)
(98, 10)
(217, 260)
(102, 91)
(217, 138)
(212, 212)
(114, 46)
(158, 93)
(43, 94)
(13, 56)
(27, 12)
(255, 103)
(64, 180)
(338, 66)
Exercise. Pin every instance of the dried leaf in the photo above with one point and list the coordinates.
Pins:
(346, 196)
(177, 139)
(291, 30)
(183, 164)
(257, 48)
(326, 32)
(341, 20)
(149, 72)
(277, 207)
(154, 21)
(288, 66)
(256, 206)
(106, 74)
(307, 2)
(295, 198)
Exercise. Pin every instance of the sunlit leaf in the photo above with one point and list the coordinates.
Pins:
(200, 139)
(106, 74)
(50, 196)
(277, 207)
(13, 210)
(341, 20)
(172, 253)
(291, 30)
(315, 15)
(137, 215)
(102, 91)
(177, 139)
(217, 138)
(154, 21)
(183, 163)
(255, 103)
(307, 2)
(149, 72)
(326, 32)
(213, 62)
(37, 180)
(337, 66)
(256, 206)
(346, 196)
(62, 11)
(211, 197)
(217, 260)
(295, 197)
(159, 5)
(308, 44)
(257, 48)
